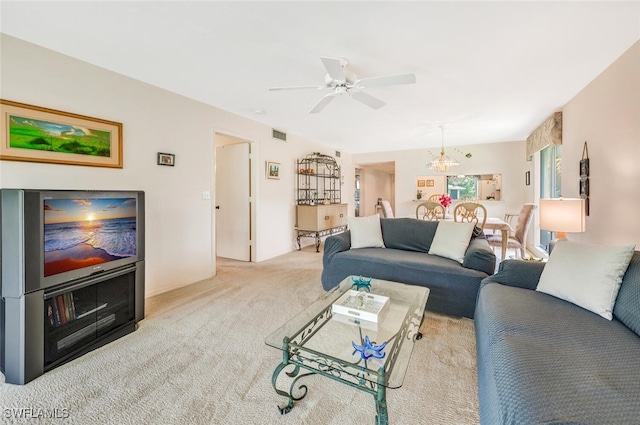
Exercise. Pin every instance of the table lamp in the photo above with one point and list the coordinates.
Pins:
(562, 215)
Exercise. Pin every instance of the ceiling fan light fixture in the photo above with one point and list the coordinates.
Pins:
(442, 163)
(341, 81)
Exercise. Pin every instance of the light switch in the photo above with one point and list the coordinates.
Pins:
(206, 195)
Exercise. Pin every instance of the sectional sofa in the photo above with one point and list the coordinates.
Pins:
(542, 359)
(405, 258)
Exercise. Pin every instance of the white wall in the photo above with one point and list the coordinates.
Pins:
(606, 114)
(277, 201)
(507, 159)
(179, 232)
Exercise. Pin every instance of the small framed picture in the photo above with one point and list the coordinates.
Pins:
(584, 188)
(584, 168)
(430, 183)
(273, 170)
(421, 183)
(166, 159)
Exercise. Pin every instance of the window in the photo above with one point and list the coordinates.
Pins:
(463, 187)
(550, 177)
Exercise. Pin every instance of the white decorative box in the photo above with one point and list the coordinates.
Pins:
(360, 305)
(353, 321)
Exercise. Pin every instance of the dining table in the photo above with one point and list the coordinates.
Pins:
(494, 223)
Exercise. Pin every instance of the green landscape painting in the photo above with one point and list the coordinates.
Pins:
(28, 133)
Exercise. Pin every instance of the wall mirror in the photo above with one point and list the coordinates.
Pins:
(464, 187)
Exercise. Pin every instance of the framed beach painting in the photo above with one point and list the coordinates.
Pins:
(37, 134)
(273, 170)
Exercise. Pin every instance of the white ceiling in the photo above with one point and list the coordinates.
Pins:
(487, 71)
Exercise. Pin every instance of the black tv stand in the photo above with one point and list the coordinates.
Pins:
(56, 325)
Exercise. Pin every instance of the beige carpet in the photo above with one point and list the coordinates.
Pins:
(199, 357)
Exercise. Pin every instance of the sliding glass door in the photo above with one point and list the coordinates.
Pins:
(550, 177)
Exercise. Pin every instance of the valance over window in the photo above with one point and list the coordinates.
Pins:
(549, 133)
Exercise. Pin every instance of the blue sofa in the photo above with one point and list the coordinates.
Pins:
(453, 286)
(545, 360)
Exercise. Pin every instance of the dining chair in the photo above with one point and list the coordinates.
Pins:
(387, 211)
(435, 197)
(432, 211)
(508, 217)
(470, 212)
(518, 240)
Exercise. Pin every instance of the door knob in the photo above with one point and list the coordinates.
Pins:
(217, 207)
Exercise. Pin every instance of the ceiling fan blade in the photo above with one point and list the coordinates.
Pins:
(295, 88)
(387, 81)
(323, 102)
(368, 100)
(334, 68)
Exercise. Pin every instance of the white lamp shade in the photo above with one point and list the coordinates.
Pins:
(563, 215)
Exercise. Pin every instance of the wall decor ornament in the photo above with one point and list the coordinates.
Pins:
(273, 170)
(584, 177)
(36, 134)
(166, 159)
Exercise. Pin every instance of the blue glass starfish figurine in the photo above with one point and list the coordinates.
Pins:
(361, 283)
(369, 350)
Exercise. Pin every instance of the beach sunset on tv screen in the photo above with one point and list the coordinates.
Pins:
(82, 233)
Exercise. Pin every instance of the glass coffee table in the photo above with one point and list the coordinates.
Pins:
(324, 343)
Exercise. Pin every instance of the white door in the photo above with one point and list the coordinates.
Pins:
(233, 207)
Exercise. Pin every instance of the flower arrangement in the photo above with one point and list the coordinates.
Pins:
(445, 200)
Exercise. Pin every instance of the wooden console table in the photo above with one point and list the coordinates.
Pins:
(316, 221)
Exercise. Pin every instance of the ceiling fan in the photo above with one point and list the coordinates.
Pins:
(342, 82)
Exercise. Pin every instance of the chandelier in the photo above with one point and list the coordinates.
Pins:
(443, 162)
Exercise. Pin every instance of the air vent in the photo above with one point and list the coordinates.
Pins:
(279, 135)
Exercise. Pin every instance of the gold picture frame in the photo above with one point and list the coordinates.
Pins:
(36, 134)
(430, 183)
(421, 183)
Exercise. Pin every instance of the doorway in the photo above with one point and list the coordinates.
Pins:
(233, 198)
(375, 181)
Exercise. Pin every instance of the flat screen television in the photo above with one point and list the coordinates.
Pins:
(69, 234)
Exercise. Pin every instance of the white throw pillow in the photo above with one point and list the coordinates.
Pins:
(365, 232)
(451, 240)
(586, 275)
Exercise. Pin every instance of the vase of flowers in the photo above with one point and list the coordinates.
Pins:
(445, 200)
